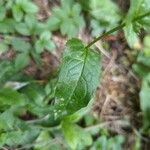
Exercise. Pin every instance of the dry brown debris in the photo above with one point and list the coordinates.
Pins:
(117, 98)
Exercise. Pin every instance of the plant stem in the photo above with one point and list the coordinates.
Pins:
(115, 29)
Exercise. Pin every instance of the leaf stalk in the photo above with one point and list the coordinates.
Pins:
(116, 29)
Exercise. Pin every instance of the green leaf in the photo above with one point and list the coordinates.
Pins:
(147, 46)
(70, 30)
(144, 100)
(17, 12)
(29, 7)
(79, 74)
(44, 42)
(131, 29)
(50, 46)
(21, 45)
(102, 12)
(141, 70)
(9, 97)
(31, 21)
(131, 35)
(23, 29)
(2, 13)
(100, 143)
(7, 120)
(39, 46)
(53, 23)
(68, 18)
(45, 142)
(45, 36)
(21, 61)
(18, 137)
(7, 71)
(3, 47)
(75, 135)
(7, 26)
(115, 142)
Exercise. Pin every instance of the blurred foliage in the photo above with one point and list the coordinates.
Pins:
(105, 16)
(67, 18)
(27, 116)
(132, 29)
(142, 68)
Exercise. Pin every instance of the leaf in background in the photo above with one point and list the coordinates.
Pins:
(115, 143)
(31, 21)
(7, 70)
(20, 45)
(53, 23)
(21, 61)
(50, 46)
(23, 29)
(75, 135)
(2, 13)
(44, 42)
(18, 137)
(71, 30)
(67, 18)
(17, 12)
(131, 29)
(141, 70)
(45, 142)
(102, 12)
(29, 7)
(131, 35)
(100, 143)
(104, 143)
(144, 100)
(79, 74)
(39, 46)
(3, 47)
(7, 26)
(7, 120)
(147, 46)
(9, 97)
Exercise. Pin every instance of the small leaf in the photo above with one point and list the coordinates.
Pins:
(50, 46)
(21, 45)
(131, 36)
(53, 23)
(75, 135)
(31, 21)
(22, 28)
(29, 7)
(17, 12)
(7, 26)
(21, 61)
(144, 100)
(2, 13)
(44, 142)
(70, 30)
(39, 46)
(3, 47)
(18, 137)
(9, 97)
(79, 75)
(45, 36)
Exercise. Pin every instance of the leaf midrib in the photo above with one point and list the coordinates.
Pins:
(86, 53)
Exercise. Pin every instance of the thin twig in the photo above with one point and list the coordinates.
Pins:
(106, 124)
(116, 29)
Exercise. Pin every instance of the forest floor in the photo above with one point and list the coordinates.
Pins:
(116, 96)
